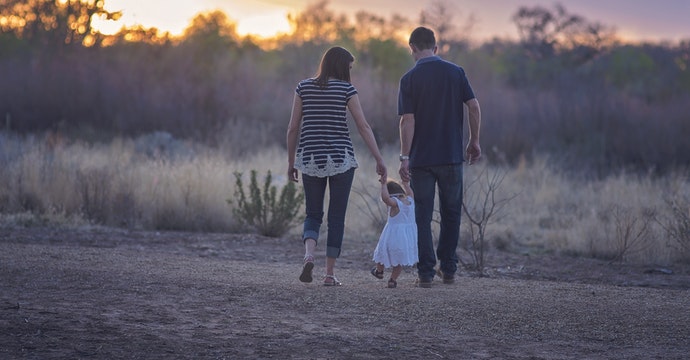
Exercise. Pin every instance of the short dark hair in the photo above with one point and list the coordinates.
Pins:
(423, 38)
(394, 188)
(335, 63)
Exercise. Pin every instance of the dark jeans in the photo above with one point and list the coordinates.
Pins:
(339, 192)
(423, 182)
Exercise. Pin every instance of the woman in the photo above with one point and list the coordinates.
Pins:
(324, 153)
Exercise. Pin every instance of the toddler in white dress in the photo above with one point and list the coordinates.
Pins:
(397, 246)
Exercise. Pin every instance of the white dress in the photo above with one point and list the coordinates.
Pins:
(398, 241)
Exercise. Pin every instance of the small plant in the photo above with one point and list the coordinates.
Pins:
(480, 206)
(262, 210)
(631, 231)
(677, 225)
(371, 205)
(94, 188)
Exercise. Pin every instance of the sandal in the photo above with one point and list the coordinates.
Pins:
(330, 280)
(377, 274)
(305, 276)
(392, 284)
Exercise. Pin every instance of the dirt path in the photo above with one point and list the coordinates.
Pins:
(135, 295)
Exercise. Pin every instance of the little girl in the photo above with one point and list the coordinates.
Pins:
(397, 245)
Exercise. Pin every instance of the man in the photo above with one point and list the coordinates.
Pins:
(430, 102)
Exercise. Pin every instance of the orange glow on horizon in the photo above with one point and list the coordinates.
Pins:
(264, 26)
(264, 19)
(174, 20)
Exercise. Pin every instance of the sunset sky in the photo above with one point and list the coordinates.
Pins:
(633, 19)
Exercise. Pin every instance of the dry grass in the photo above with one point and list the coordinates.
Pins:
(578, 217)
(180, 186)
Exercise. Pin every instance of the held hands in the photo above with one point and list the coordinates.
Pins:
(381, 171)
(383, 179)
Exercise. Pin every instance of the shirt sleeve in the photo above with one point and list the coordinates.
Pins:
(405, 103)
(467, 92)
(351, 91)
(298, 89)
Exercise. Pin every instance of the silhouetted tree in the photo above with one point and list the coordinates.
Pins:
(211, 31)
(138, 34)
(53, 23)
(540, 29)
(544, 32)
(440, 15)
(554, 44)
(319, 24)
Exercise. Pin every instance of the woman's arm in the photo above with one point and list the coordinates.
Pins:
(292, 134)
(367, 134)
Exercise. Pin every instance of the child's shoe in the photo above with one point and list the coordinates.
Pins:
(377, 274)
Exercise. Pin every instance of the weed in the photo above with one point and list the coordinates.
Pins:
(262, 210)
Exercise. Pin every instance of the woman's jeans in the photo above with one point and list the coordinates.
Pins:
(339, 192)
(423, 182)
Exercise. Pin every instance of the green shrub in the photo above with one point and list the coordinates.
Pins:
(261, 210)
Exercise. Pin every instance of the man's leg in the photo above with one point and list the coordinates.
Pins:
(450, 201)
(423, 183)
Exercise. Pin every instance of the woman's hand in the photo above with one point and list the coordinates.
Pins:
(382, 171)
(293, 174)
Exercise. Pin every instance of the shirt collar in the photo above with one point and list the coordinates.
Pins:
(427, 59)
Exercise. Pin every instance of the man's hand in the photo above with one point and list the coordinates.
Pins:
(404, 170)
(473, 152)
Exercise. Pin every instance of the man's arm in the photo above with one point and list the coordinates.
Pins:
(474, 151)
(406, 135)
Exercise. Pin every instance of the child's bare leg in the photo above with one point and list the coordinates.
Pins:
(396, 272)
(393, 281)
(379, 267)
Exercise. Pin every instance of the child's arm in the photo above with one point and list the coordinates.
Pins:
(385, 196)
(408, 189)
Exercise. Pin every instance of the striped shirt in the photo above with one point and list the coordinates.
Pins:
(325, 148)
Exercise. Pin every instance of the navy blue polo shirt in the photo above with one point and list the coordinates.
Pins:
(434, 90)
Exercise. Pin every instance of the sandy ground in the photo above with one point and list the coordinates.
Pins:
(117, 294)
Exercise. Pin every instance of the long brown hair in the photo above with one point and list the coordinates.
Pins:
(335, 63)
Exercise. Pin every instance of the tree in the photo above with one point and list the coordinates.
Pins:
(439, 15)
(139, 35)
(212, 30)
(553, 45)
(54, 23)
(318, 24)
(544, 32)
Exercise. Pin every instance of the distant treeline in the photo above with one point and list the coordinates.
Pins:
(568, 87)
